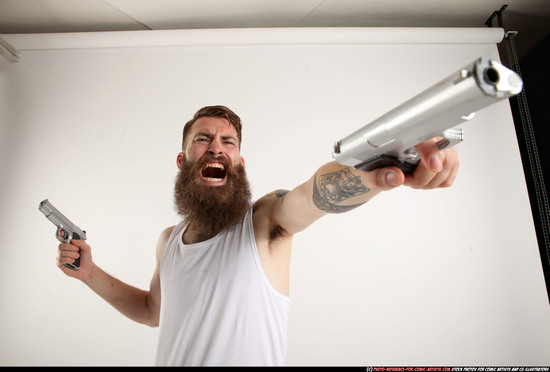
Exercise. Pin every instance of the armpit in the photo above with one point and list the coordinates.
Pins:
(276, 231)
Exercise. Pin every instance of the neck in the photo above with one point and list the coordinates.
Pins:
(193, 235)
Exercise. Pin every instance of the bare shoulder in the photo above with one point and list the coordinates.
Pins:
(269, 201)
(266, 205)
(162, 241)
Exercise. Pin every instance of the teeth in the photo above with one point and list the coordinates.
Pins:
(219, 166)
(215, 165)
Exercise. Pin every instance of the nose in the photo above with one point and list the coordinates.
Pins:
(215, 148)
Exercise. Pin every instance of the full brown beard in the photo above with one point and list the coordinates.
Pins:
(208, 210)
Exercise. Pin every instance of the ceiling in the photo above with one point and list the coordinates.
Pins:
(531, 18)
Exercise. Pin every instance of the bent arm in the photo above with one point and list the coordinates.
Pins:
(134, 303)
(139, 305)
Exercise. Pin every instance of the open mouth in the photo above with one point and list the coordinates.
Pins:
(213, 172)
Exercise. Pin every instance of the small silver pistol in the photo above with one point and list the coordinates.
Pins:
(66, 230)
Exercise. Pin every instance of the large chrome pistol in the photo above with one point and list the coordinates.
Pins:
(390, 139)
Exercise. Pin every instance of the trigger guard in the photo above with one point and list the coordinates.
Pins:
(60, 238)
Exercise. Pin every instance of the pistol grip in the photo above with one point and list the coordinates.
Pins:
(65, 237)
(75, 265)
(384, 160)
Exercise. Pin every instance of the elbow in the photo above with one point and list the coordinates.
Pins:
(152, 318)
(153, 321)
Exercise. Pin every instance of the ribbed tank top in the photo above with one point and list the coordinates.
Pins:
(217, 305)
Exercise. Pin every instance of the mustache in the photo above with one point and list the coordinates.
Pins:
(210, 157)
(231, 169)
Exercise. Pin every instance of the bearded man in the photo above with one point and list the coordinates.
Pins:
(220, 288)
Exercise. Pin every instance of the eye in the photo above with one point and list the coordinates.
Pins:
(201, 139)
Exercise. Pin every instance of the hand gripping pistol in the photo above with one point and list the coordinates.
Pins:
(66, 230)
(390, 139)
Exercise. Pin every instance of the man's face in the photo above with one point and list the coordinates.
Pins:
(211, 190)
(214, 138)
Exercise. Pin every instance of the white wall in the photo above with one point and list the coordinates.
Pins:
(93, 123)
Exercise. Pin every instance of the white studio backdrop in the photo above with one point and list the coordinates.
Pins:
(93, 123)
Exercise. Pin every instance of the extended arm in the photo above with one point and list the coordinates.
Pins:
(335, 188)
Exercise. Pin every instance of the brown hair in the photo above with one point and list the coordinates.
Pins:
(214, 111)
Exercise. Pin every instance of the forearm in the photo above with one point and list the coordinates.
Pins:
(130, 301)
(336, 188)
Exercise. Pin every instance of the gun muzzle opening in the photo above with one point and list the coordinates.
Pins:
(337, 147)
(491, 76)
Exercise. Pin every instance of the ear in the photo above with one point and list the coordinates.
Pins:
(242, 161)
(179, 160)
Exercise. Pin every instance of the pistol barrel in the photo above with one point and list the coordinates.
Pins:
(429, 114)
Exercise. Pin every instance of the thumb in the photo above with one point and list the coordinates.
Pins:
(80, 244)
(386, 178)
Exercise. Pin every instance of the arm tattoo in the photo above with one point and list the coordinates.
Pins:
(335, 188)
(279, 193)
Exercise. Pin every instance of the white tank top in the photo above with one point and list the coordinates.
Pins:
(217, 305)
